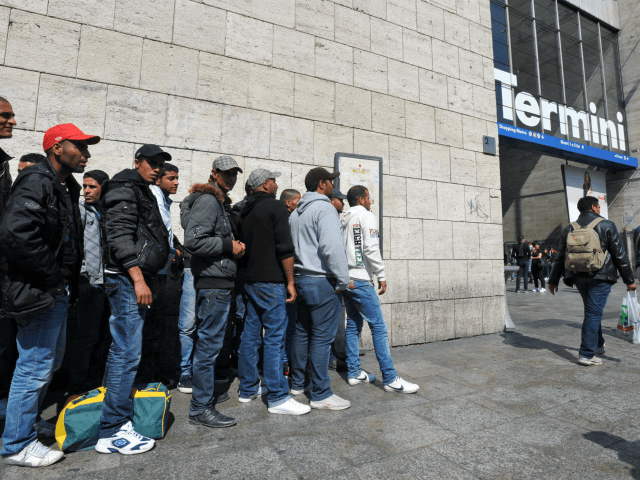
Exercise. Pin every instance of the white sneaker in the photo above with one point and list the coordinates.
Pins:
(261, 391)
(401, 386)
(364, 377)
(334, 402)
(290, 407)
(589, 361)
(546, 279)
(34, 455)
(45, 429)
(295, 393)
(126, 441)
(536, 290)
(3, 408)
(542, 290)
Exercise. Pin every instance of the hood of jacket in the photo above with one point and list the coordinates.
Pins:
(252, 201)
(309, 199)
(208, 188)
(353, 211)
(126, 175)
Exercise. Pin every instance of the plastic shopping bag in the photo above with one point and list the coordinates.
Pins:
(628, 324)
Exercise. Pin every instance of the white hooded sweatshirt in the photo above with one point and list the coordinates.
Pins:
(360, 230)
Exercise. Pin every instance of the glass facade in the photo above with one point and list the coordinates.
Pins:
(558, 73)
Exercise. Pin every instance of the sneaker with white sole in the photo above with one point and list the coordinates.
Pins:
(261, 391)
(542, 290)
(185, 384)
(600, 350)
(536, 290)
(364, 377)
(45, 429)
(334, 402)
(293, 392)
(3, 408)
(34, 455)
(126, 441)
(290, 407)
(401, 386)
(589, 361)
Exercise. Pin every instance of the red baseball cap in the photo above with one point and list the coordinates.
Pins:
(66, 131)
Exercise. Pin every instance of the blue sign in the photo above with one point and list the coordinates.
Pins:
(559, 147)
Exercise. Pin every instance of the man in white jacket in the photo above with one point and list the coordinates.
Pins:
(360, 229)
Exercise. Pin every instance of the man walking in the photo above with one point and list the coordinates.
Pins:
(362, 244)
(138, 248)
(522, 253)
(590, 254)
(320, 266)
(209, 240)
(85, 371)
(41, 237)
(268, 270)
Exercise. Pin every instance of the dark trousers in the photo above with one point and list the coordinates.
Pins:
(523, 265)
(152, 334)
(594, 295)
(538, 274)
(8, 330)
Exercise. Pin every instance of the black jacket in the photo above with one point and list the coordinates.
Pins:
(521, 252)
(264, 229)
(615, 261)
(136, 235)
(5, 192)
(32, 231)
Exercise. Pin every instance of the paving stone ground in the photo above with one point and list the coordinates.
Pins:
(503, 406)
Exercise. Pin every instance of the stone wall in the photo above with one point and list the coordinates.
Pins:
(285, 84)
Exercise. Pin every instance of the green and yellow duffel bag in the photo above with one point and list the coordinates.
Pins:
(79, 421)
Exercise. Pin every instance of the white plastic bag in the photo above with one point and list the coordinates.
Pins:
(629, 321)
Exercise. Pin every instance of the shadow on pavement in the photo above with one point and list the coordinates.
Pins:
(518, 340)
(619, 445)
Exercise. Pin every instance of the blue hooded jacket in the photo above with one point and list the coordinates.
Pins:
(317, 237)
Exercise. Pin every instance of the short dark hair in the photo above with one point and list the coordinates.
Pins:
(169, 167)
(521, 238)
(536, 244)
(288, 194)
(98, 175)
(2, 99)
(585, 204)
(32, 157)
(356, 192)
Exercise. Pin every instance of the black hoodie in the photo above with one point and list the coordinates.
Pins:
(264, 229)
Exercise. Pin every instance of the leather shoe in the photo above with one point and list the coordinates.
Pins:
(223, 397)
(212, 418)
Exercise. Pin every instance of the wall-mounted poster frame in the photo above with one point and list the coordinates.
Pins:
(362, 170)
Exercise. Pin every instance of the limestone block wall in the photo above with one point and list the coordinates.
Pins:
(286, 84)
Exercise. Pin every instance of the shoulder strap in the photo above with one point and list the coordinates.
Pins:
(576, 225)
(595, 222)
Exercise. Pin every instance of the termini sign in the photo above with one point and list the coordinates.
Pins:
(584, 126)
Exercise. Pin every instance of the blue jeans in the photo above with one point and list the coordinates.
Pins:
(41, 344)
(212, 306)
(266, 309)
(524, 271)
(126, 323)
(187, 323)
(594, 296)
(318, 317)
(362, 303)
(287, 338)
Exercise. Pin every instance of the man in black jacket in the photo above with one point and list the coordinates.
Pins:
(41, 236)
(522, 253)
(137, 249)
(268, 266)
(593, 287)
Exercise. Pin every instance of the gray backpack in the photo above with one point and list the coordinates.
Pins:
(584, 251)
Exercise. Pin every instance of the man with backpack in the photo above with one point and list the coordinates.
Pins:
(589, 254)
(522, 253)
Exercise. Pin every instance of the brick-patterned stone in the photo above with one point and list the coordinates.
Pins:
(271, 89)
(43, 44)
(5, 14)
(466, 243)
(194, 124)
(35, 6)
(293, 51)
(491, 243)
(404, 80)
(471, 67)
(451, 202)
(315, 17)
(433, 88)
(67, 100)
(135, 115)
(169, 69)
(488, 170)
(388, 114)
(404, 157)
(448, 128)
(249, 39)
(459, 95)
(201, 164)
(386, 238)
(394, 196)
(420, 202)
(280, 12)
(480, 278)
(484, 103)
(242, 7)
(436, 162)
(199, 26)
(370, 71)
(489, 74)
(407, 320)
(430, 20)
(495, 199)
(223, 80)
(353, 106)
(463, 166)
(473, 129)
(456, 30)
(445, 4)
(453, 279)
(120, 155)
(314, 98)
(446, 61)
(352, 28)
(328, 140)
(145, 18)
(468, 317)
(402, 12)
(99, 13)
(245, 132)
(334, 61)
(20, 87)
(284, 180)
(498, 277)
(298, 172)
(374, 144)
(420, 121)
(397, 279)
(386, 39)
(439, 319)
(291, 139)
(424, 280)
(480, 39)
(406, 238)
(493, 315)
(477, 203)
(417, 49)
(438, 239)
(468, 9)
(375, 8)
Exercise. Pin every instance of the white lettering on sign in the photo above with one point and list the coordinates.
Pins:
(583, 126)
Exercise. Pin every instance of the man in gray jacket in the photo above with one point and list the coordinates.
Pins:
(209, 240)
(322, 273)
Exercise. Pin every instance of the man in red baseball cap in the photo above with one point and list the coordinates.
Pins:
(41, 235)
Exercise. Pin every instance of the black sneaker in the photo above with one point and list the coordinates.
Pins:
(223, 397)
(185, 385)
(221, 379)
(212, 418)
